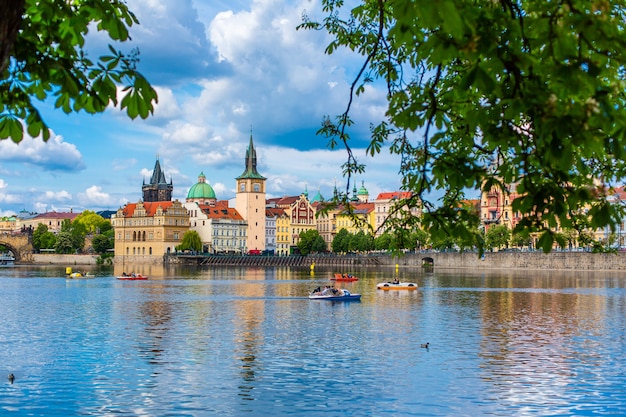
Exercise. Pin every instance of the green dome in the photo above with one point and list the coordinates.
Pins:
(317, 197)
(363, 190)
(201, 190)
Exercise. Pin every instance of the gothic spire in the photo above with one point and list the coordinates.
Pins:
(250, 162)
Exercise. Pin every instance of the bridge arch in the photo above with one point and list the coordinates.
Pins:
(20, 245)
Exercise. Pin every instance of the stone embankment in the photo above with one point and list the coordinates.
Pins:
(574, 261)
(577, 261)
(59, 259)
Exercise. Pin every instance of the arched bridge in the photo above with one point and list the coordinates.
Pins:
(21, 246)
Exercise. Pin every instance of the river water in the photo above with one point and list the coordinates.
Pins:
(247, 342)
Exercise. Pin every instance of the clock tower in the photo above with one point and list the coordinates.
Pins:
(250, 200)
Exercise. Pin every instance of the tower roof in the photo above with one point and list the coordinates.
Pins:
(250, 172)
(158, 177)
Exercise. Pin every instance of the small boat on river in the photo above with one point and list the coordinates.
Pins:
(133, 277)
(344, 278)
(75, 275)
(386, 286)
(333, 294)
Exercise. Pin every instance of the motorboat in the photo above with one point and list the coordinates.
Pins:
(334, 295)
(386, 286)
(344, 278)
(133, 277)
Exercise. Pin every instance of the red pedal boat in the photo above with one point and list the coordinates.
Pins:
(344, 278)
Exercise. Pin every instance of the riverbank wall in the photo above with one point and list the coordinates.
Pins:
(575, 261)
(59, 259)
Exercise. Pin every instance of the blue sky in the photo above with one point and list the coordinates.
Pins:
(223, 70)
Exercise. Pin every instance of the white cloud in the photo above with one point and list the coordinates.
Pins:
(53, 155)
(6, 197)
(95, 197)
(40, 207)
(122, 164)
(167, 107)
(57, 196)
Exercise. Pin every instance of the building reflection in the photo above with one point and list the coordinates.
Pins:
(250, 314)
(519, 349)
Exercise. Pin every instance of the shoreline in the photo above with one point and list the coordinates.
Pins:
(554, 261)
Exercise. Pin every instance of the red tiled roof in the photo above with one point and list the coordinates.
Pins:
(151, 207)
(394, 194)
(55, 215)
(364, 206)
(283, 201)
(220, 211)
(274, 212)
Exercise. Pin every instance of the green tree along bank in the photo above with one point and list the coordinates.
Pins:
(484, 94)
(191, 241)
(71, 237)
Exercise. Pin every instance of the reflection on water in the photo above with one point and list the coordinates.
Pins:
(234, 341)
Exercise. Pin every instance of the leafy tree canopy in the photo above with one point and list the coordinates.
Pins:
(311, 241)
(64, 242)
(491, 93)
(43, 238)
(92, 222)
(102, 243)
(42, 55)
(191, 241)
(341, 241)
(497, 237)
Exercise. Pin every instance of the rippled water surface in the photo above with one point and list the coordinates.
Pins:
(234, 342)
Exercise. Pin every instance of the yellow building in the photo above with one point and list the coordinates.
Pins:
(148, 231)
(365, 218)
(282, 230)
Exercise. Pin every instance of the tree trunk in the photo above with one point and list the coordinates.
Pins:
(11, 12)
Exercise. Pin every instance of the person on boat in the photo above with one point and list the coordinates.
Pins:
(132, 274)
(124, 274)
(396, 281)
(318, 289)
(345, 276)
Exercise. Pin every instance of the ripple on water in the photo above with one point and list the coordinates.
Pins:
(228, 347)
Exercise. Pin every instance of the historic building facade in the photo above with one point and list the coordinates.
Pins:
(221, 228)
(250, 200)
(390, 204)
(53, 220)
(146, 231)
(496, 207)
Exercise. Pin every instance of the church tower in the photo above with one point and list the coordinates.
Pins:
(250, 200)
(158, 189)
